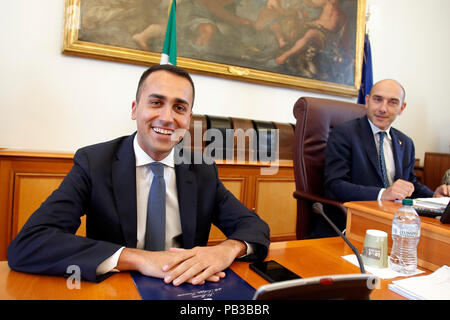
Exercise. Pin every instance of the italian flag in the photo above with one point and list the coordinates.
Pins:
(169, 53)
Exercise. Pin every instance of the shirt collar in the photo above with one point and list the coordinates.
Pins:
(143, 159)
(375, 129)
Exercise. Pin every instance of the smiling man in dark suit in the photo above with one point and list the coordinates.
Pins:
(110, 182)
(354, 168)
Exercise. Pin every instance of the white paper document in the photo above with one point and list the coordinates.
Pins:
(382, 273)
(435, 286)
(440, 202)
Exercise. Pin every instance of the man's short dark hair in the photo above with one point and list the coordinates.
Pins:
(169, 68)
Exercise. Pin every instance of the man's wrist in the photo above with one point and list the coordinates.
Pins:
(108, 264)
(239, 248)
(128, 259)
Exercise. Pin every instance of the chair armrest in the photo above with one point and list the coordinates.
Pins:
(298, 194)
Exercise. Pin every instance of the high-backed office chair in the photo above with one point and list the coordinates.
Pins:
(315, 119)
(219, 125)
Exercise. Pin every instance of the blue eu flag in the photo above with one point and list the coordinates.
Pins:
(367, 74)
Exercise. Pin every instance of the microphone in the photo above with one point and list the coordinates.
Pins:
(318, 208)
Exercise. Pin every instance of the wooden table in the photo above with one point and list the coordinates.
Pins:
(433, 250)
(307, 258)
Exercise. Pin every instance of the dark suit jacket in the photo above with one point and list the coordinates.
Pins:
(102, 185)
(352, 171)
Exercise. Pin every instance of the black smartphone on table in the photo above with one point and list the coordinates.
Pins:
(272, 271)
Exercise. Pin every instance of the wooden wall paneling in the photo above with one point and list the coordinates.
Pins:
(30, 191)
(17, 162)
(236, 185)
(276, 205)
(268, 195)
(6, 192)
(230, 173)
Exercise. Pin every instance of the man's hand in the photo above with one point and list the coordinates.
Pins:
(442, 191)
(195, 265)
(202, 264)
(399, 190)
(148, 263)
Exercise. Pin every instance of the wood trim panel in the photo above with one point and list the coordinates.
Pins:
(274, 206)
(236, 185)
(29, 191)
(21, 162)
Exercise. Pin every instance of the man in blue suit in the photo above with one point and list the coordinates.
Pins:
(110, 183)
(353, 168)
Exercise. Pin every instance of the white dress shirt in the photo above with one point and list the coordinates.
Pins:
(388, 153)
(144, 178)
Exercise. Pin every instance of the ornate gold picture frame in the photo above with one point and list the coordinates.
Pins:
(314, 45)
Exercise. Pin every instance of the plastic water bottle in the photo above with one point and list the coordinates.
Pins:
(405, 236)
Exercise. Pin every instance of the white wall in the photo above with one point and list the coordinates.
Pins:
(49, 101)
(410, 44)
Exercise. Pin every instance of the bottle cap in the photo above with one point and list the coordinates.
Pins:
(407, 202)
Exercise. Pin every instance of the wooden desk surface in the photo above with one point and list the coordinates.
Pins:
(307, 258)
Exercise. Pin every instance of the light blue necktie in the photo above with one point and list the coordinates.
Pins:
(155, 235)
(382, 134)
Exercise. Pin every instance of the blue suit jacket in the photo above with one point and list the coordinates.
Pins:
(102, 185)
(352, 171)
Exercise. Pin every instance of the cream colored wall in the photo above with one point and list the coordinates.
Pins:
(49, 101)
(409, 43)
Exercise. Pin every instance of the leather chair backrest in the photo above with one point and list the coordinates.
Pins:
(220, 125)
(316, 117)
(245, 142)
(285, 139)
(197, 129)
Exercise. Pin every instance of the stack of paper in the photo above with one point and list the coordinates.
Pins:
(435, 286)
(433, 203)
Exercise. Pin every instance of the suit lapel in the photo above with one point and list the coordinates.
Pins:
(397, 148)
(124, 186)
(369, 145)
(187, 200)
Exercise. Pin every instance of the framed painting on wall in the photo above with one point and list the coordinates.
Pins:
(313, 45)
